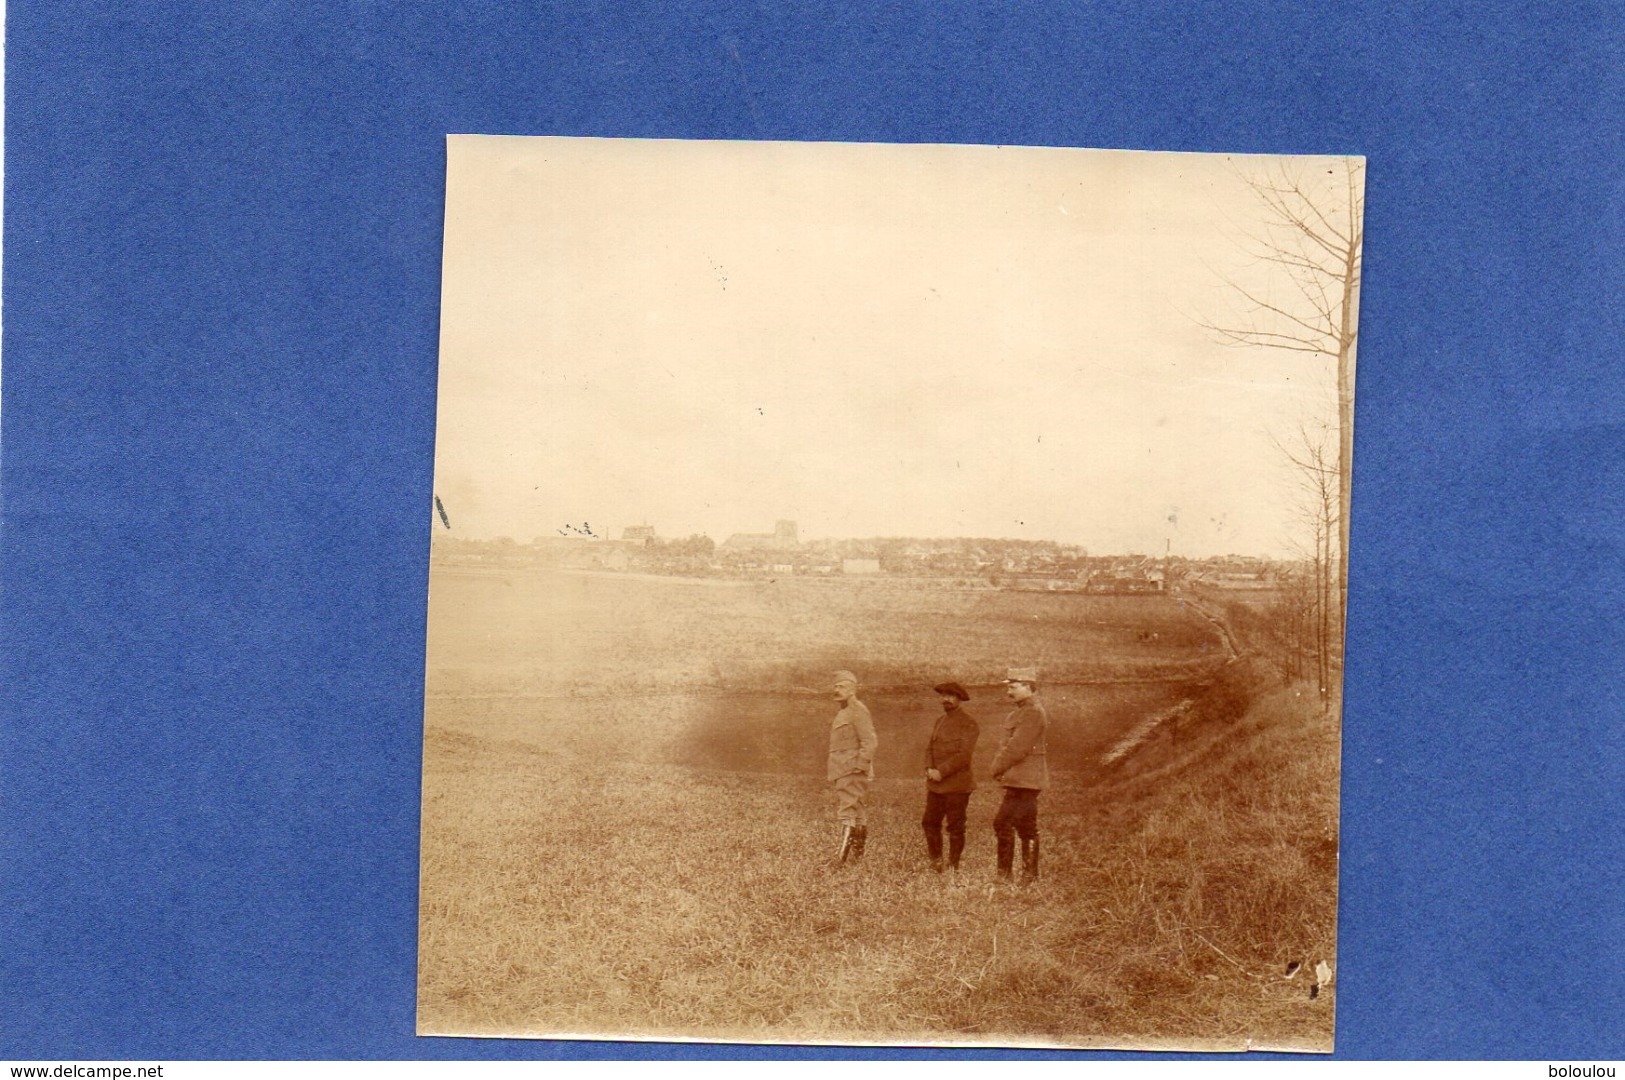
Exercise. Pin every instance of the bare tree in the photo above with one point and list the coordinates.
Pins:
(1309, 234)
(1318, 476)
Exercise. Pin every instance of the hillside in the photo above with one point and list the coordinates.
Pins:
(1217, 855)
(577, 878)
(536, 631)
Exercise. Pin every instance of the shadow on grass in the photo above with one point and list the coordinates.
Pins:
(789, 733)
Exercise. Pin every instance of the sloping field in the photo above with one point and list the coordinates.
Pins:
(576, 879)
(626, 830)
(536, 631)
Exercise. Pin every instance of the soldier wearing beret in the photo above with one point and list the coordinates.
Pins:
(948, 780)
(852, 745)
(1022, 767)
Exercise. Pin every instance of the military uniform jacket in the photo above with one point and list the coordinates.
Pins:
(1023, 759)
(949, 751)
(852, 742)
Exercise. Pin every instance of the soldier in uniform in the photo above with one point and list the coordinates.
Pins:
(948, 780)
(1022, 767)
(852, 745)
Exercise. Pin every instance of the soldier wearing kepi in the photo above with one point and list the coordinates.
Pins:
(1022, 766)
(852, 745)
(948, 780)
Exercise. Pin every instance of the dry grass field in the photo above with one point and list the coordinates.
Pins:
(539, 631)
(613, 855)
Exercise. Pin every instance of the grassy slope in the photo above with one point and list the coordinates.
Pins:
(576, 881)
(537, 632)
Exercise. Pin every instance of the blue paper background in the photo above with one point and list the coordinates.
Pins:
(221, 277)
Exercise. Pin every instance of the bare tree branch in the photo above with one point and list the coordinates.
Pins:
(1257, 338)
(1307, 244)
(1287, 218)
(1266, 306)
(1314, 208)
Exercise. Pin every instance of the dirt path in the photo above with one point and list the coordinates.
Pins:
(1156, 722)
(1219, 622)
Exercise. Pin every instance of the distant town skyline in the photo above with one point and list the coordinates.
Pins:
(873, 341)
(589, 531)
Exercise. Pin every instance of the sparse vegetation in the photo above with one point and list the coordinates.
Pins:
(538, 631)
(603, 859)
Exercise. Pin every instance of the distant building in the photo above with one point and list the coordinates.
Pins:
(641, 533)
(1043, 583)
(1106, 583)
(782, 538)
(614, 559)
(581, 553)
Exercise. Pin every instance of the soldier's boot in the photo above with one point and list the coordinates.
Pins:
(1007, 856)
(933, 847)
(845, 852)
(1029, 861)
(860, 834)
(956, 847)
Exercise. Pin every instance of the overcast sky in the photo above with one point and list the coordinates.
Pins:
(870, 340)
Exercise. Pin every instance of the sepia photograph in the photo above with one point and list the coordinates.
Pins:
(888, 594)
